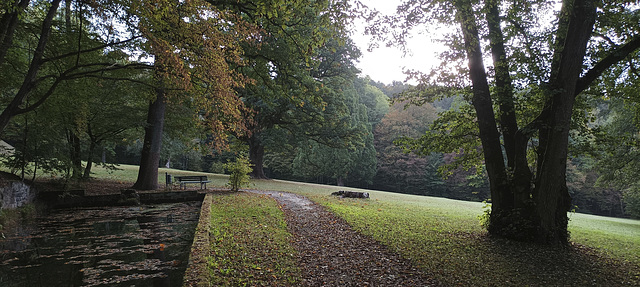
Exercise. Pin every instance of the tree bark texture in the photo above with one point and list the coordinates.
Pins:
(150, 156)
(523, 208)
(551, 196)
(87, 169)
(489, 136)
(256, 157)
(75, 152)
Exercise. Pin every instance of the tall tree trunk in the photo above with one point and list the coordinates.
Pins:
(551, 196)
(256, 157)
(87, 169)
(8, 25)
(504, 88)
(75, 155)
(517, 211)
(150, 156)
(501, 194)
(516, 199)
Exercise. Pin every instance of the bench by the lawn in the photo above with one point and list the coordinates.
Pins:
(183, 180)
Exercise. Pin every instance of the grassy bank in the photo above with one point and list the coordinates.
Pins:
(249, 242)
(444, 238)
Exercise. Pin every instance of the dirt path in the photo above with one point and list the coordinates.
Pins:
(332, 254)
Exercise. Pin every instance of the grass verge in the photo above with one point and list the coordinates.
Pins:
(249, 242)
(197, 273)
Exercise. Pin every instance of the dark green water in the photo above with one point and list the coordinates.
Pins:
(113, 246)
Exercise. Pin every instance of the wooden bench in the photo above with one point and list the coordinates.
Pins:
(183, 180)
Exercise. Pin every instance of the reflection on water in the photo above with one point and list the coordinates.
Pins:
(113, 246)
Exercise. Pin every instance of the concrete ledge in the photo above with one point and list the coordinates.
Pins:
(197, 273)
(127, 197)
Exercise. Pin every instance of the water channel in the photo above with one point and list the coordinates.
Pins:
(144, 245)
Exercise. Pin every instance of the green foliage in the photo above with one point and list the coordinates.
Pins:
(81, 104)
(351, 157)
(217, 167)
(618, 162)
(632, 202)
(485, 217)
(454, 132)
(239, 170)
(404, 172)
(374, 99)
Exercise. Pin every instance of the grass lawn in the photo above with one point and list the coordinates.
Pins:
(249, 242)
(442, 236)
(129, 173)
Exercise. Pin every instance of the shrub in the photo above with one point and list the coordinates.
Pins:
(239, 169)
(485, 218)
(217, 167)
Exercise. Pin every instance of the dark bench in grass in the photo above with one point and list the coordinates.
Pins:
(183, 180)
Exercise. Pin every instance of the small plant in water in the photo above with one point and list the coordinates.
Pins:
(240, 169)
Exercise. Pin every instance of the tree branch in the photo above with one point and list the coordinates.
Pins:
(75, 53)
(613, 58)
(68, 75)
(34, 67)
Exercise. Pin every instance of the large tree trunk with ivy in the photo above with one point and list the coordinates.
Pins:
(523, 208)
(150, 156)
(256, 157)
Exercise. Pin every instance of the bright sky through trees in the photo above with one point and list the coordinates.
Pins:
(385, 64)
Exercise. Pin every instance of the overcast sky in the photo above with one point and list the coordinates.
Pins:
(385, 64)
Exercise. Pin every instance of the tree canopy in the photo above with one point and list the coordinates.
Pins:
(522, 106)
(538, 97)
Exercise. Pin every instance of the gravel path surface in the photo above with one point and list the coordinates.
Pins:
(333, 254)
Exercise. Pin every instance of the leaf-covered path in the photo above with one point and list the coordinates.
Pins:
(331, 253)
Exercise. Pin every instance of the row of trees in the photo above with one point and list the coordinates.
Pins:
(82, 77)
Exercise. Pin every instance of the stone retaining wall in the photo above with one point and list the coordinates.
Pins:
(197, 273)
(14, 194)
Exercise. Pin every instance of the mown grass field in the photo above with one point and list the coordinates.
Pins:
(442, 236)
(445, 238)
(249, 242)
